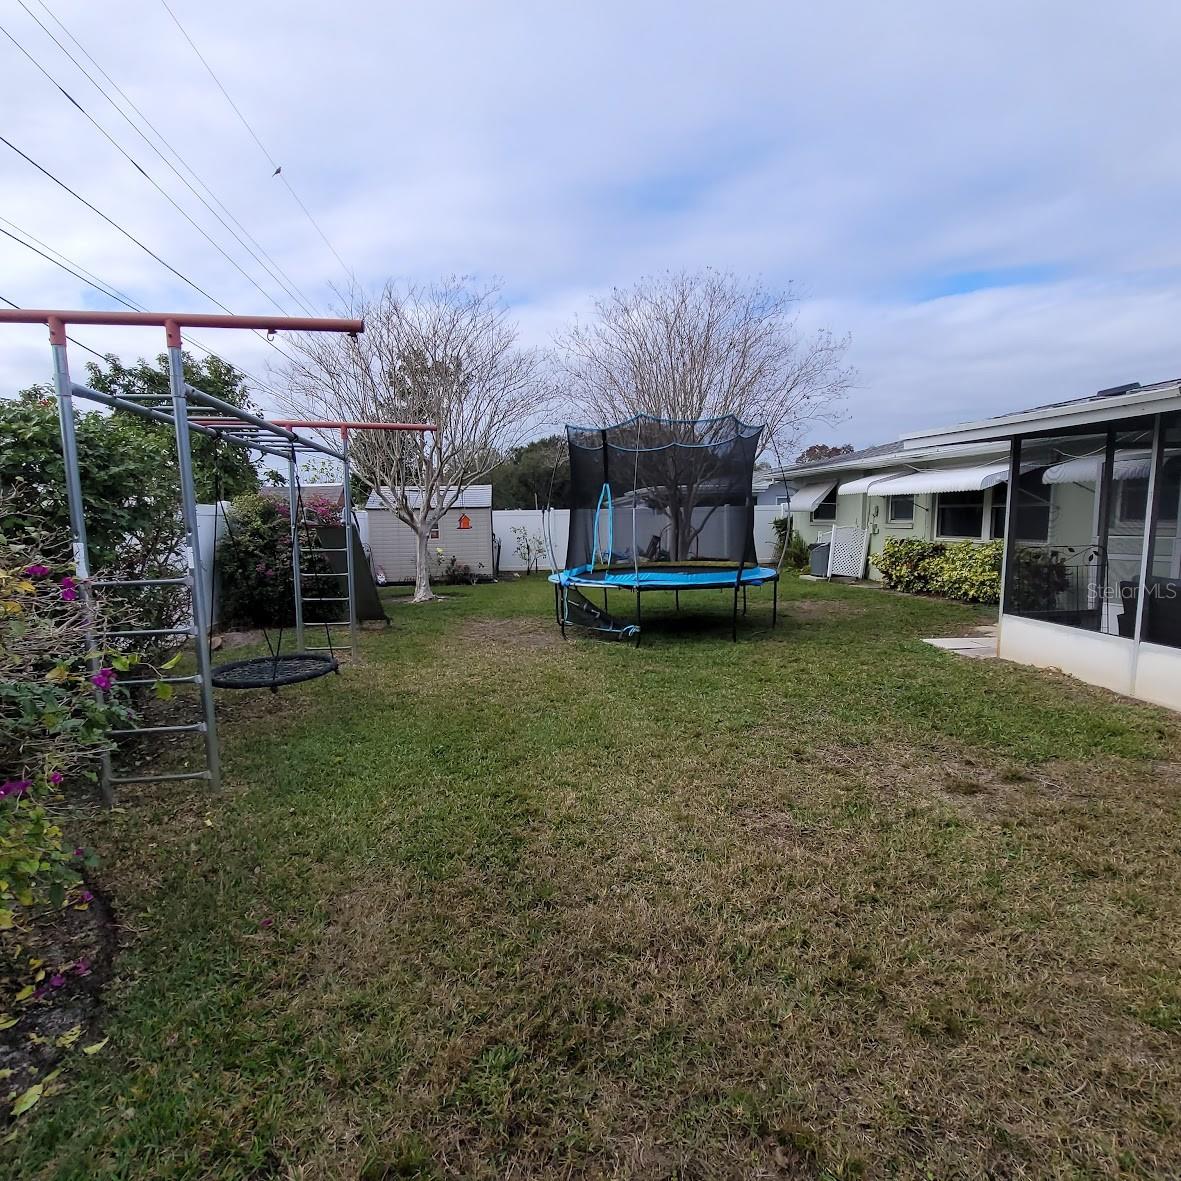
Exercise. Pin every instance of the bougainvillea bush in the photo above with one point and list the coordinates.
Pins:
(254, 563)
(53, 724)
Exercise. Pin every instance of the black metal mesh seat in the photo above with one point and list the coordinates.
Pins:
(272, 672)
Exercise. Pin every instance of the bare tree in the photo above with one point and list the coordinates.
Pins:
(695, 345)
(700, 344)
(443, 354)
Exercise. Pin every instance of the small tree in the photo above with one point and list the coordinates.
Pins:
(536, 475)
(445, 355)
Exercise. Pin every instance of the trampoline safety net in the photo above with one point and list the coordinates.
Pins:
(650, 491)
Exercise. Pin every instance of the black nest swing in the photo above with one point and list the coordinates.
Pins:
(272, 672)
(279, 668)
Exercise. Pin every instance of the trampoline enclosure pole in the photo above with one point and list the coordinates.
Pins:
(188, 508)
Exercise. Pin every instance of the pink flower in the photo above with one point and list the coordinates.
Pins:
(36, 571)
(57, 980)
(69, 589)
(15, 787)
(79, 852)
(267, 923)
(86, 896)
(82, 967)
(103, 679)
(56, 777)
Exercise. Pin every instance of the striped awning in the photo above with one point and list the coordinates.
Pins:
(1129, 465)
(865, 483)
(805, 498)
(945, 479)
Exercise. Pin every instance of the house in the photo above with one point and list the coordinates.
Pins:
(934, 493)
(464, 533)
(1092, 567)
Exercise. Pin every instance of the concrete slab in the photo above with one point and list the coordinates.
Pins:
(977, 647)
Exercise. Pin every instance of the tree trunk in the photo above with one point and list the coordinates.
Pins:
(422, 569)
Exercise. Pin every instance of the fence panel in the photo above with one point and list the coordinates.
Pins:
(552, 526)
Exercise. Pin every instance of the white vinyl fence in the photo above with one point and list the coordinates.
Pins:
(554, 527)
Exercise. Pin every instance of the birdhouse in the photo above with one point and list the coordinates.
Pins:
(465, 522)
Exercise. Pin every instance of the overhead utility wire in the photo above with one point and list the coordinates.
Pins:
(74, 268)
(248, 243)
(131, 237)
(278, 168)
(144, 173)
(71, 339)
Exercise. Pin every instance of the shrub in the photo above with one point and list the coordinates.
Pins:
(1039, 578)
(969, 571)
(908, 564)
(53, 727)
(530, 547)
(797, 555)
(964, 570)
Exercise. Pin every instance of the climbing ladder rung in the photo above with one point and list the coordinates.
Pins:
(183, 580)
(193, 680)
(191, 728)
(326, 550)
(157, 631)
(327, 648)
(321, 574)
(161, 777)
(306, 599)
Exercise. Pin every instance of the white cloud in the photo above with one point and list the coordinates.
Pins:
(873, 153)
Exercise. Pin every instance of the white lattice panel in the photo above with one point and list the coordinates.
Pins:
(846, 559)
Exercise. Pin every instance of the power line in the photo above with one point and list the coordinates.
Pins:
(142, 171)
(115, 225)
(278, 168)
(71, 339)
(74, 268)
(249, 243)
(131, 237)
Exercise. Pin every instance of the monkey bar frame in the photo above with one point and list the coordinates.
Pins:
(233, 425)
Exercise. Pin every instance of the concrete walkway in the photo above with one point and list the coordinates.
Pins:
(980, 645)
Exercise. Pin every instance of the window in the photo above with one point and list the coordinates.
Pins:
(1033, 509)
(435, 533)
(959, 514)
(1133, 497)
(900, 510)
(782, 499)
(826, 510)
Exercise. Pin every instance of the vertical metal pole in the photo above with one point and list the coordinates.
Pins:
(1151, 512)
(348, 543)
(65, 413)
(293, 508)
(188, 509)
(1009, 550)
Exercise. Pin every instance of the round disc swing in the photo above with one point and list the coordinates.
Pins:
(279, 668)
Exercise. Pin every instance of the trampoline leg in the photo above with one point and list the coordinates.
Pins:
(734, 617)
(604, 599)
(678, 598)
(774, 602)
(637, 617)
(744, 600)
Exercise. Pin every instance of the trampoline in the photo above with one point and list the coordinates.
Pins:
(659, 505)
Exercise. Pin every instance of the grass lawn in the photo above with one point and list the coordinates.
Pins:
(823, 903)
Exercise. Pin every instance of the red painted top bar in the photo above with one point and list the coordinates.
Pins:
(174, 320)
(335, 425)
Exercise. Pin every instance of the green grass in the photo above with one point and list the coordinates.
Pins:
(826, 902)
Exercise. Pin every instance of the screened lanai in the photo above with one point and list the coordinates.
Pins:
(1092, 571)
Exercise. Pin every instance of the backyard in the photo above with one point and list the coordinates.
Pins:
(826, 902)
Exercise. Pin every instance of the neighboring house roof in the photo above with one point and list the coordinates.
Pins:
(887, 457)
(1124, 401)
(473, 496)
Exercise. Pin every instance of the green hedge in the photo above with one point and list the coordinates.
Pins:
(964, 570)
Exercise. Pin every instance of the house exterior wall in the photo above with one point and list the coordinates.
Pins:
(394, 546)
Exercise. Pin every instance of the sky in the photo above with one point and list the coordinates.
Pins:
(983, 197)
